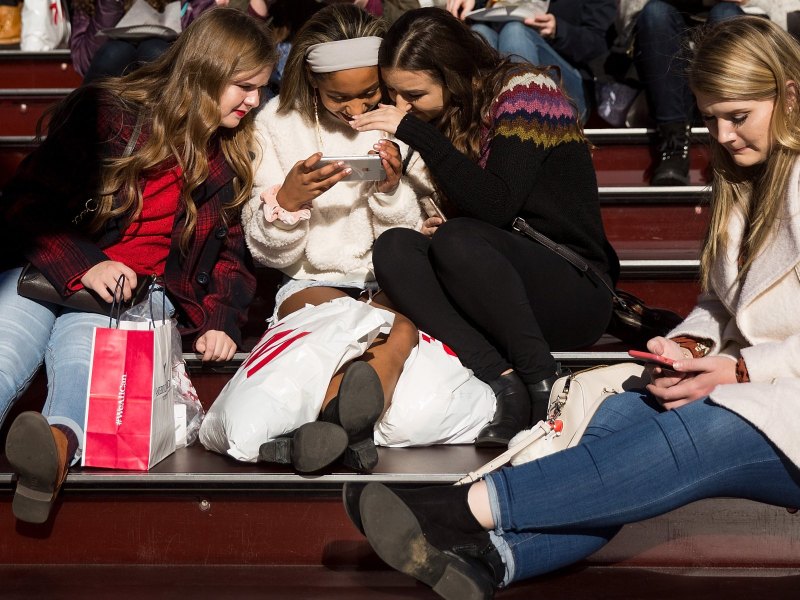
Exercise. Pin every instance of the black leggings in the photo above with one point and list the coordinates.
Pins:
(499, 300)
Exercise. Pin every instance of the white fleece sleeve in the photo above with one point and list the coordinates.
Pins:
(272, 244)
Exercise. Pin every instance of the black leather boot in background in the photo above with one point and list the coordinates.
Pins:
(672, 167)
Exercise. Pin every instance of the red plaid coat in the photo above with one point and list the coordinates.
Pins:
(211, 285)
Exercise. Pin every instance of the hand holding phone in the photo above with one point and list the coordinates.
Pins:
(652, 359)
(364, 168)
(431, 209)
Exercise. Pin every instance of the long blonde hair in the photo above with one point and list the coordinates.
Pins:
(333, 23)
(748, 58)
(179, 95)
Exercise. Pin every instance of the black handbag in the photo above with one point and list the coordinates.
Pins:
(34, 285)
(632, 321)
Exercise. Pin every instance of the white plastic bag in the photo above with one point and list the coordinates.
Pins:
(188, 410)
(282, 383)
(45, 26)
(437, 400)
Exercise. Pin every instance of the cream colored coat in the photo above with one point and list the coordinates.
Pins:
(336, 243)
(759, 319)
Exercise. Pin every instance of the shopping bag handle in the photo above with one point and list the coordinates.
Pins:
(117, 301)
(153, 283)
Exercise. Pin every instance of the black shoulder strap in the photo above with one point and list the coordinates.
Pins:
(570, 256)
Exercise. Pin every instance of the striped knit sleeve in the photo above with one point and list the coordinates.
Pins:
(529, 118)
(531, 108)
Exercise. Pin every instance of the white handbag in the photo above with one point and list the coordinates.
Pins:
(574, 400)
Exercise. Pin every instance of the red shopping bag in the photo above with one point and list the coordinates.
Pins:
(130, 421)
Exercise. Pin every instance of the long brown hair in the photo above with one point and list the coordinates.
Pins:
(748, 58)
(461, 61)
(179, 95)
(333, 23)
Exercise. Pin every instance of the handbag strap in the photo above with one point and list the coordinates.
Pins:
(541, 430)
(91, 205)
(137, 129)
(572, 257)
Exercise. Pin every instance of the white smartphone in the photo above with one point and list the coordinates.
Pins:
(431, 209)
(367, 167)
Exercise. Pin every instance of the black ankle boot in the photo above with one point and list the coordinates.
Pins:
(512, 414)
(673, 155)
(540, 398)
(356, 409)
(431, 535)
(308, 448)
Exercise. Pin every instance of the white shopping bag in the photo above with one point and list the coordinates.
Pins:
(282, 383)
(45, 26)
(437, 400)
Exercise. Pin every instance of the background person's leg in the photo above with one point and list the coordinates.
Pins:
(111, 60)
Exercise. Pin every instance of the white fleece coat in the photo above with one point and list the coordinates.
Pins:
(759, 319)
(336, 243)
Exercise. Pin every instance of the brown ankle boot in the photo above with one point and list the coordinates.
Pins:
(10, 24)
(40, 456)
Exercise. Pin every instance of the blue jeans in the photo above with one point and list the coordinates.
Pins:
(635, 461)
(520, 42)
(119, 57)
(32, 333)
(660, 59)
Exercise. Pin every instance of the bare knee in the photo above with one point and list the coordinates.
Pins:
(403, 332)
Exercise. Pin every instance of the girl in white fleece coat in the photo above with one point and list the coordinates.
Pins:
(724, 421)
(318, 229)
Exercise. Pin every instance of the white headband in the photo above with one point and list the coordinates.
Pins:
(343, 54)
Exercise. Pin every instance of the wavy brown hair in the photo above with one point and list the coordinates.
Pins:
(179, 96)
(742, 59)
(435, 42)
(333, 23)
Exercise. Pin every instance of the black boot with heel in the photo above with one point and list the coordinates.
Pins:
(512, 414)
(540, 398)
(431, 534)
(356, 408)
(308, 448)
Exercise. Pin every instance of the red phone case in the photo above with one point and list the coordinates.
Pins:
(649, 357)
